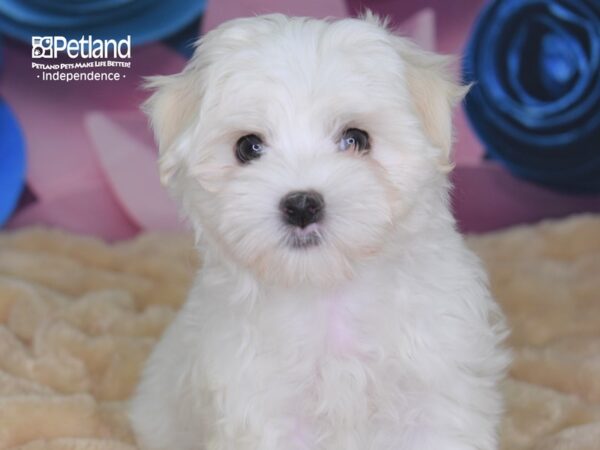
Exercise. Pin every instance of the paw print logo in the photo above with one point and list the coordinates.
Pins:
(41, 47)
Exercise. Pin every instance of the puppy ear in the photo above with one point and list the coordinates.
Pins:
(433, 91)
(172, 108)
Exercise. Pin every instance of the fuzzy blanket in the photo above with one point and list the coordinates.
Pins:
(78, 318)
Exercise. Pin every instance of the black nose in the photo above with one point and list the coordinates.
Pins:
(302, 208)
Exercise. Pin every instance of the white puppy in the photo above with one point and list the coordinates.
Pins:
(337, 307)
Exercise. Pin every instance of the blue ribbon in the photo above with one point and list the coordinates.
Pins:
(12, 162)
(535, 102)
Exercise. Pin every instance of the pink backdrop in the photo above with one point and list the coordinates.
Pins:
(92, 159)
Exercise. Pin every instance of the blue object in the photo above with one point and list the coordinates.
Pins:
(183, 41)
(12, 162)
(535, 103)
(144, 20)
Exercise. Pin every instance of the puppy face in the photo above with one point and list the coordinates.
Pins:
(298, 146)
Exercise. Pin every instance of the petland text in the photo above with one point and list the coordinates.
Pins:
(87, 47)
(56, 58)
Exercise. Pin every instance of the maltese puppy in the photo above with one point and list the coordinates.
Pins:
(337, 308)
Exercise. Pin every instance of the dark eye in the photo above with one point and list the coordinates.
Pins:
(248, 147)
(355, 140)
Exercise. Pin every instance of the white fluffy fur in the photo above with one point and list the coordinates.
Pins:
(384, 336)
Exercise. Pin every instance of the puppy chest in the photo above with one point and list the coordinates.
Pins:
(341, 329)
(337, 327)
(334, 354)
(329, 372)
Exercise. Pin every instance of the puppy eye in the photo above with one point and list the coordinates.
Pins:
(355, 140)
(248, 147)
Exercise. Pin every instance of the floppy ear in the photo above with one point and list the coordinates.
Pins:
(433, 91)
(172, 108)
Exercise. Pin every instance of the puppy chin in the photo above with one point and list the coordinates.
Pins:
(304, 259)
(317, 255)
(308, 265)
(304, 238)
(323, 254)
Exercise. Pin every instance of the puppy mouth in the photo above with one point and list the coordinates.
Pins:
(307, 237)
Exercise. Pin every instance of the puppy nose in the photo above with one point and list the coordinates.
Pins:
(302, 208)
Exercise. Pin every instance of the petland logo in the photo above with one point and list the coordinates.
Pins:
(87, 47)
(92, 59)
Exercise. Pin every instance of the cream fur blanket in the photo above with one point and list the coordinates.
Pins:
(78, 318)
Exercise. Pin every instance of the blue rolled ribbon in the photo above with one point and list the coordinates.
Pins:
(12, 162)
(535, 101)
